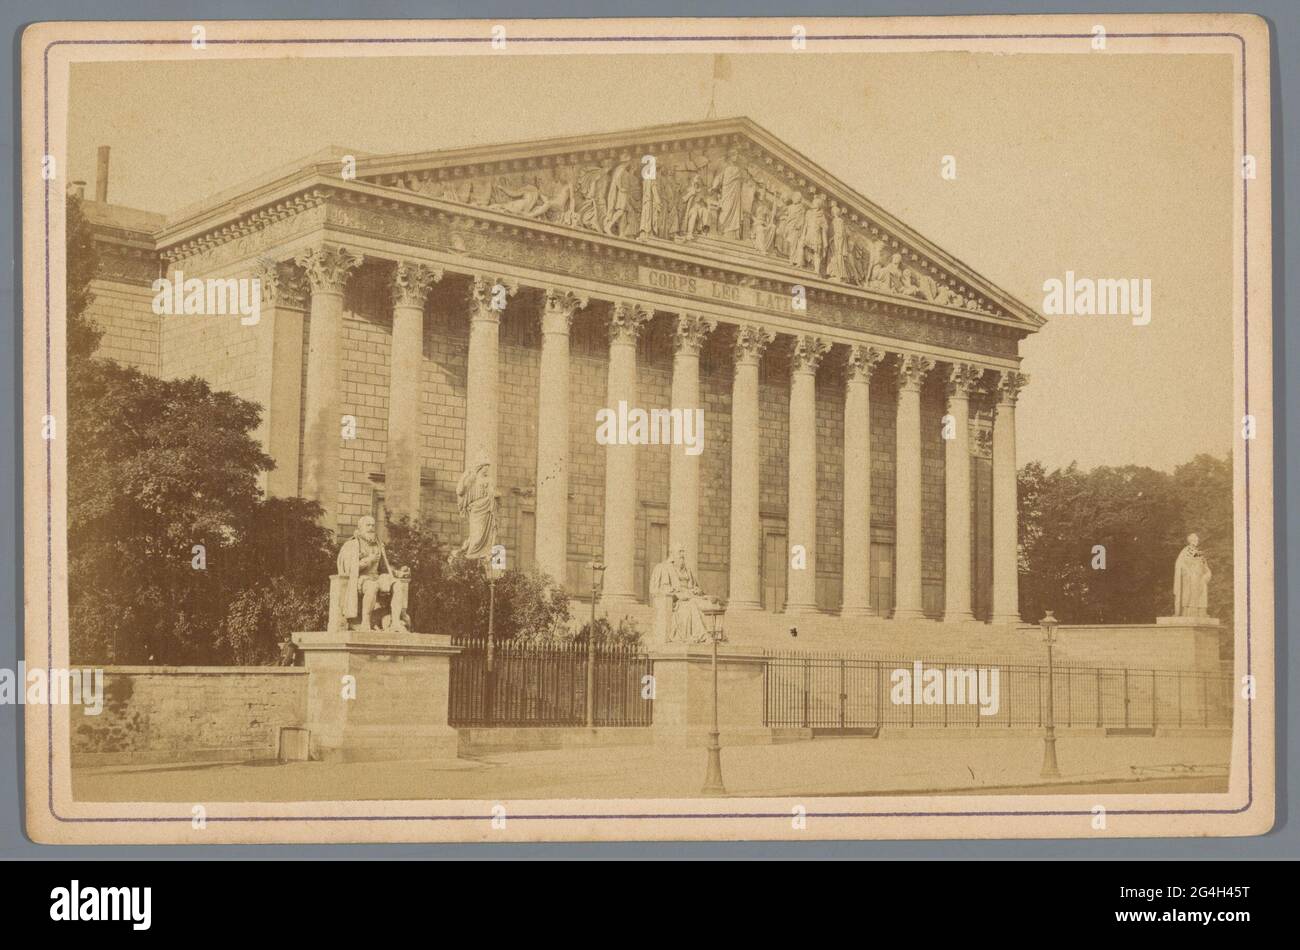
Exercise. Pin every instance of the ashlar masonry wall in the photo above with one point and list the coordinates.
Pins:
(155, 714)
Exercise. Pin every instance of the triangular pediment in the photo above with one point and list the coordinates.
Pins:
(724, 188)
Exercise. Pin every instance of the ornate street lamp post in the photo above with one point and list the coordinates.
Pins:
(490, 677)
(713, 776)
(597, 581)
(1050, 769)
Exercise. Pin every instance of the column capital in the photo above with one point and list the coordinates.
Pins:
(1009, 385)
(488, 294)
(963, 380)
(328, 267)
(806, 353)
(558, 307)
(751, 340)
(282, 283)
(912, 370)
(690, 331)
(412, 282)
(626, 320)
(861, 362)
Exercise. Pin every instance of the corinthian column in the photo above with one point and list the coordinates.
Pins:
(907, 489)
(626, 320)
(801, 588)
(1006, 581)
(552, 544)
(963, 379)
(746, 528)
(327, 268)
(488, 296)
(411, 285)
(862, 362)
(683, 469)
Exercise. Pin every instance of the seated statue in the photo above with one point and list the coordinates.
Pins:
(679, 601)
(366, 577)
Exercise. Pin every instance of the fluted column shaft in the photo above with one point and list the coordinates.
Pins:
(1006, 581)
(626, 321)
(801, 586)
(962, 379)
(552, 542)
(907, 489)
(856, 526)
(411, 285)
(746, 526)
(488, 300)
(684, 469)
(327, 268)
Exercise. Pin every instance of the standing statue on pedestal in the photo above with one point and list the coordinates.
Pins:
(476, 497)
(366, 574)
(1191, 581)
(679, 601)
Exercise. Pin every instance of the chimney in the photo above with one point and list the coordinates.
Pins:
(101, 176)
(79, 189)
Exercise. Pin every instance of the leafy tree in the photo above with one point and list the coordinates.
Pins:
(1132, 519)
(626, 633)
(450, 594)
(172, 547)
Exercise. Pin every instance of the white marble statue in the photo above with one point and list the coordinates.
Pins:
(1191, 581)
(679, 601)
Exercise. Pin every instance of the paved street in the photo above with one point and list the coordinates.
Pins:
(823, 766)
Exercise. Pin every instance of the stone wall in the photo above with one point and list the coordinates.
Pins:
(131, 334)
(220, 349)
(157, 714)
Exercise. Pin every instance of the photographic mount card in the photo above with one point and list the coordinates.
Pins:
(647, 429)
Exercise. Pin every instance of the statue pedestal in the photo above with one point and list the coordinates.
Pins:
(395, 704)
(683, 703)
(1199, 642)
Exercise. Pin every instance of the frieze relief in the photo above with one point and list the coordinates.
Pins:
(730, 197)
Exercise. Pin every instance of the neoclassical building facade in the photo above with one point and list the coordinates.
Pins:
(423, 313)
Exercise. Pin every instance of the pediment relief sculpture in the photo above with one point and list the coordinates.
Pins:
(724, 196)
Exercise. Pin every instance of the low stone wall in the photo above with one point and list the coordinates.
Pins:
(1167, 645)
(159, 714)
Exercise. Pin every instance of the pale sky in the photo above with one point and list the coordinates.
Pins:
(1108, 166)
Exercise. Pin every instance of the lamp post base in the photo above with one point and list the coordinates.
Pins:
(1050, 768)
(713, 777)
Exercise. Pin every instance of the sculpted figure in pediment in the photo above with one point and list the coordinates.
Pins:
(815, 237)
(838, 258)
(790, 228)
(763, 225)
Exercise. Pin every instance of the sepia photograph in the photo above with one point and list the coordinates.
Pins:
(648, 430)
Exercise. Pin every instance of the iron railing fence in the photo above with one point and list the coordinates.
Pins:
(544, 683)
(822, 691)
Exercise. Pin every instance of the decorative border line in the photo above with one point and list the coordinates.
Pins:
(49, 515)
